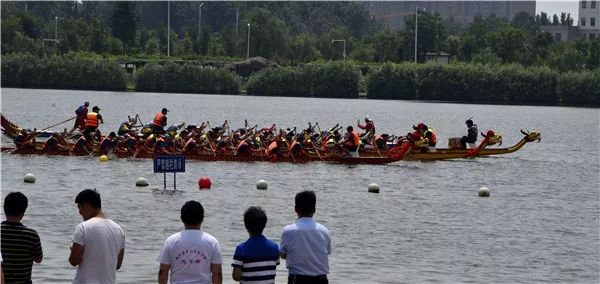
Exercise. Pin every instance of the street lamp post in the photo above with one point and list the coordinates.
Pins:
(344, 52)
(416, 29)
(200, 19)
(169, 28)
(56, 29)
(248, 48)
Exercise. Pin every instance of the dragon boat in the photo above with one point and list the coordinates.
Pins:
(366, 155)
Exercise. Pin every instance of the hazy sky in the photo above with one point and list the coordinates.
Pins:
(556, 7)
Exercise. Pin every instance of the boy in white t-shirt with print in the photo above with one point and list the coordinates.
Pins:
(191, 255)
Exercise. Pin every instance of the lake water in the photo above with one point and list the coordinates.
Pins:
(540, 224)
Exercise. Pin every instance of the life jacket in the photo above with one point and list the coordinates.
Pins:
(92, 120)
(159, 119)
(431, 136)
(124, 128)
(354, 140)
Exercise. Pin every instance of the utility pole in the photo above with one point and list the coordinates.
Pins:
(416, 29)
(248, 49)
(169, 28)
(200, 20)
(237, 19)
(56, 29)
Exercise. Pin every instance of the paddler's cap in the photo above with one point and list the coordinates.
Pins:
(165, 109)
(95, 108)
(86, 103)
(367, 118)
(422, 126)
(469, 122)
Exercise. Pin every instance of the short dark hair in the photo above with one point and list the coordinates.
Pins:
(255, 220)
(192, 213)
(15, 204)
(350, 128)
(89, 196)
(306, 202)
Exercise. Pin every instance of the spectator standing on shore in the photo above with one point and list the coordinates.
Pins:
(21, 246)
(98, 243)
(306, 244)
(256, 259)
(192, 255)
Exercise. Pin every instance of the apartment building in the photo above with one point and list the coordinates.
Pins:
(463, 12)
(589, 19)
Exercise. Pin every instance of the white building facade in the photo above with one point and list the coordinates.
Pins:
(589, 19)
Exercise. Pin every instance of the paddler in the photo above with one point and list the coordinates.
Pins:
(352, 142)
(159, 122)
(81, 113)
(93, 119)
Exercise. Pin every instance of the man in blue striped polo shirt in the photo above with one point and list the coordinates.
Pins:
(256, 259)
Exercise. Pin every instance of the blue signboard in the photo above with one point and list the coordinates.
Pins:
(169, 164)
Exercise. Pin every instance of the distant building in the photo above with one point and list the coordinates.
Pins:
(562, 33)
(437, 57)
(463, 12)
(589, 17)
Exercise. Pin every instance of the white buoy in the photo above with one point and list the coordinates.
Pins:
(373, 187)
(141, 181)
(29, 178)
(484, 192)
(262, 184)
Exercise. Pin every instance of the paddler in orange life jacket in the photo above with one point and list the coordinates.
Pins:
(159, 122)
(81, 113)
(93, 119)
(351, 142)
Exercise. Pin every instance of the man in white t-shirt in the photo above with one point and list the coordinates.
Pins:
(98, 243)
(192, 256)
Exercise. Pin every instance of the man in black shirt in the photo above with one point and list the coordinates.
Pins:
(21, 246)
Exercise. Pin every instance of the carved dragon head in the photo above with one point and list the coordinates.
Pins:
(532, 136)
(493, 137)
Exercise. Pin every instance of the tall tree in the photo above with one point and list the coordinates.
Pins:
(124, 23)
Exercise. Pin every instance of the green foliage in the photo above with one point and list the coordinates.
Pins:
(580, 88)
(464, 82)
(186, 78)
(486, 56)
(285, 81)
(124, 22)
(28, 71)
(334, 79)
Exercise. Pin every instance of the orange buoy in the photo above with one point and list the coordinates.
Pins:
(204, 183)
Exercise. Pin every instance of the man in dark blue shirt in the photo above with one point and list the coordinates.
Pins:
(256, 259)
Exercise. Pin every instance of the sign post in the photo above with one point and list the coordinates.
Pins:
(169, 164)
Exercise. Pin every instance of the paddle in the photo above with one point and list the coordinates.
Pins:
(59, 123)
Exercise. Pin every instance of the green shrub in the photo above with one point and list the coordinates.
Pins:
(580, 88)
(186, 78)
(464, 82)
(28, 71)
(325, 80)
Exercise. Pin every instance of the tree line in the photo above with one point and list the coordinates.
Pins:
(290, 33)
